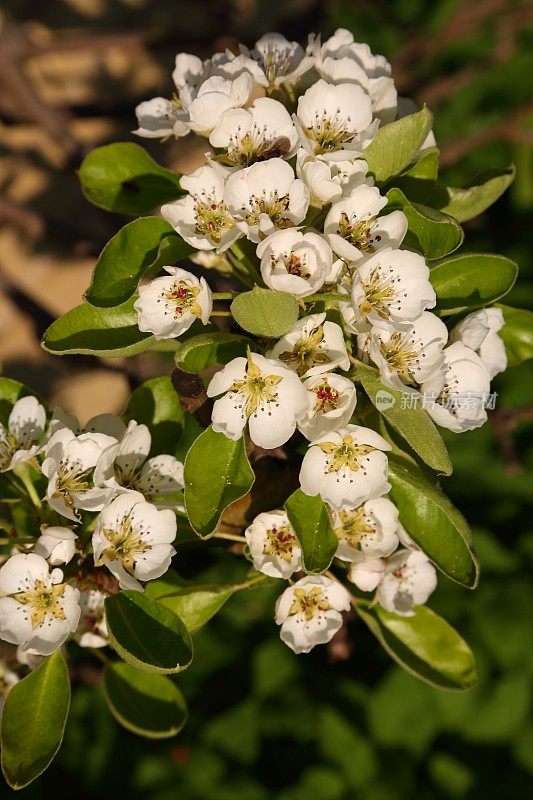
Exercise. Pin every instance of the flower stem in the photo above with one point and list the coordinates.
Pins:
(22, 472)
(252, 582)
(224, 295)
(231, 537)
(338, 298)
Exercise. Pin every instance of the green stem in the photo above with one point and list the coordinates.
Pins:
(23, 473)
(338, 298)
(231, 537)
(102, 656)
(252, 582)
(221, 313)
(224, 295)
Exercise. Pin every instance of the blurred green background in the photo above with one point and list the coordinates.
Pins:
(340, 725)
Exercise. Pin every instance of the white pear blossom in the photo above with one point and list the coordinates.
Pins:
(409, 356)
(25, 428)
(189, 74)
(334, 117)
(110, 424)
(133, 539)
(390, 289)
(92, 628)
(37, 610)
(479, 331)
(266, 197)
(354, 229)
(332, 402)
(312, 347)
(368, 531)
(259, 133)
(261, 392)
(455, 397)
(282, 63)
(168, 306)
(346, 467)
(126, 467)
(230, 65)
(215, 96)
(202, 217)
(329, 179)
(69, 464)
(160, 118)
(295, 262)
(409, 579)
(342, 60)
(309, 612)
(56, 544)
(274, 548)
(366, 574)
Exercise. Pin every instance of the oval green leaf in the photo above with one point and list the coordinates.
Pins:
(312, 525)
(413, 424)
(144, 703)
(265, 312)
(156, 404)
(33, 721)
(433, 523)
(425, 645)
(431, 232)
(199, 352)
(418, 181)
(471, 280)
(122, 177)
(106, 332)
(217, 473)
(395, 145)
(517, 334)
(467, 203)
(195, 605)
(140, 249)
(146, 634)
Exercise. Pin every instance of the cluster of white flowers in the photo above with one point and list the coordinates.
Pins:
(103, 468)
(287, 129)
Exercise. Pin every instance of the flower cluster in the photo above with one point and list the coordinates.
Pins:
(287, 129)
(107, 504)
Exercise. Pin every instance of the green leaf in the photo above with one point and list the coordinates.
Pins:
(425, 645)
(140, 249)
(199, 352)
(217, 473)
(105, 332)
(312, 524)
(195, 605)
(431, 232)
(434, 524)
(265, 312)
(10, 392)
(33, 721)
(467, 203)
(471, 280)
(418, 181)
(122, 177)
(395, 145)
(413, 424)
(144, 703)
(146, 634)
(156, 404)
(517, 334)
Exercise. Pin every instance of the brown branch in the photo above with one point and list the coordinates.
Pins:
(504, 421)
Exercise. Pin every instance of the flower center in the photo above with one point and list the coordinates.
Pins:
(330, 134)
(183, 297)
(255, 145)
(354, 527)
(275, 61)
(274, 207)
(378, 294)
(71, 480)
(398, 355)
(126, 544)
(346, 455)
(212, 219)
(307, 352)
(279, 542)
(8, 447)
(309, 602)
(359, 233)
(42, 600)
(327, 398)
(256, 387)
(295, 265)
